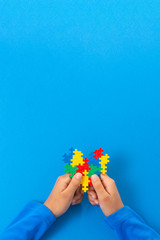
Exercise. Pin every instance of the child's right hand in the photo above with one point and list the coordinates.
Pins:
(104, 192)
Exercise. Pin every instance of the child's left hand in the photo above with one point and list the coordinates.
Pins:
(65, 192)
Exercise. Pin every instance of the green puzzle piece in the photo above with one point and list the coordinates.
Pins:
(93, 170)
(70, 169)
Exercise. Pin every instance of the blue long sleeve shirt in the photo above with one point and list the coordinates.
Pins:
(32, 222)
(128, 225)
(35, 219)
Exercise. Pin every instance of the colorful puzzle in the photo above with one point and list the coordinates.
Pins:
(96, 164)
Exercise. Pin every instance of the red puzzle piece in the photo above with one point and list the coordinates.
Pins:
(90, 182)
(86, 165)
(86, 160)
(80, 169)
(98, 153)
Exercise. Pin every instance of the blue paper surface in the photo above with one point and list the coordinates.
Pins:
(83, 74)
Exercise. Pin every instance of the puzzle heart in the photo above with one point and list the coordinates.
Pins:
(96, 164)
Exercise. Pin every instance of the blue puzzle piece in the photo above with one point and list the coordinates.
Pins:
(67, 158)
(71, 150)
(94, 162)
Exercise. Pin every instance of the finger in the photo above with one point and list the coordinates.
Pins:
(91, 188)
(77, 197)
(63, 181)
(108, 183)
(92, 194)
(79, 190)
(77, 201)
(98, 186)
(93, 199)
(94, 203)
(74, 184)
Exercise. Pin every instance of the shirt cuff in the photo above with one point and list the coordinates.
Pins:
(119, 216)
(43, 211)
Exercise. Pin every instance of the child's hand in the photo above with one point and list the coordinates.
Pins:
(65, 192)
(104, 192)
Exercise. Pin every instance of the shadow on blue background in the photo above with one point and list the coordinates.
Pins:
(83, 74)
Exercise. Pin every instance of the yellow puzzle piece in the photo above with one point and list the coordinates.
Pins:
(77, 158)
(85, 181)
(103, 162)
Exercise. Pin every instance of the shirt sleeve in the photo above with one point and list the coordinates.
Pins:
(127, 224)
(31, 223)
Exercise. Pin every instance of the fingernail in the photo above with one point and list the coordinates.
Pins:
(93, 196)
(94, 177)
(96, 202)
(78, 176)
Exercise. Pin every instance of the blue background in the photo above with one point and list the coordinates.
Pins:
(83, 74)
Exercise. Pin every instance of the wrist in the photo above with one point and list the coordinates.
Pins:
(49, 205)
(117, 218)
(113, 210)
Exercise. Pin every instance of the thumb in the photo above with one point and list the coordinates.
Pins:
(72, 187)
(108, 183)
(98, 186)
